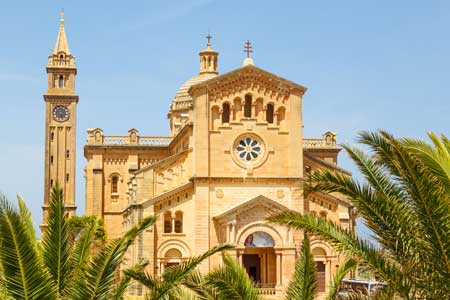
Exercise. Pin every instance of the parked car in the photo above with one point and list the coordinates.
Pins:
(365, 287)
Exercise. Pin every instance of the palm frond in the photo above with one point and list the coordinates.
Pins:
(349, 265)
(342, 239)
(384, 212)
(197, 284)
(426, 195)
(121, 288)
(22, 267)
(100, 274)
(165, 287)
(55, 243)
(82, 247)
(232, 282)
(303, 284)
(25, 214)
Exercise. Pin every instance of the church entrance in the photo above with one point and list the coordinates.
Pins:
(252, 264)
(259, 259)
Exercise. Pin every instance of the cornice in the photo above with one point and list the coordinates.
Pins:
(247, 77)
(56, 97)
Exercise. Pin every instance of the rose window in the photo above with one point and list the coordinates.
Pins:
(248, 149)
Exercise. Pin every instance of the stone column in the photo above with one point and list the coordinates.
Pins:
(279, 269)
(239, 254)
(233, 232)
(263, 268)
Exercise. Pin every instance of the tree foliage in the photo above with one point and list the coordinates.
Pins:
(60, 267)
(404, 199)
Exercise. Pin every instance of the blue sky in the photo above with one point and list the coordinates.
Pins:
(367, 64)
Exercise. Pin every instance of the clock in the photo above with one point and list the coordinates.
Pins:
(60, 113)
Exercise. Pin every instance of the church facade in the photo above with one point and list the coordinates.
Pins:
(234, 156)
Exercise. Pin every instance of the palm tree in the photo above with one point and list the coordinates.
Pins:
(59, 267)
(405, 200)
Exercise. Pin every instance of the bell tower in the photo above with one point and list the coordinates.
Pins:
(60, 124)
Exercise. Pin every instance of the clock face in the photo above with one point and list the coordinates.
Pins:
(60, 113)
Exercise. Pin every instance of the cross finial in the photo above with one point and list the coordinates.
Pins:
(62, 16)
(248, 48)
(209, 37)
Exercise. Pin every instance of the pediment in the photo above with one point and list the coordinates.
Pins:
(245, 78)
(258, 207)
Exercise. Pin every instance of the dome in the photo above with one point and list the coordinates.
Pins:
(182, 99)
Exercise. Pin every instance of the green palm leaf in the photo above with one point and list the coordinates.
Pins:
(349, 265)
(24, 277)
(303, 284)
(82, 247)
(232, 282)
(167, 286)
(101, 272)
(56, 245)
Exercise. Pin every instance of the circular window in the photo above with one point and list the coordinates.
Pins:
(248, 149)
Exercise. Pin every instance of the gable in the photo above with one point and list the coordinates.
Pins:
(255, 207)
(247, 77)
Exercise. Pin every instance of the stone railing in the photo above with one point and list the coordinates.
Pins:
(185, 104)
(328, 140)
(266, 289)
(96, 137)
(55, 61)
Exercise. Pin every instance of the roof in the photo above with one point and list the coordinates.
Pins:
(324, 163)
(183, 95)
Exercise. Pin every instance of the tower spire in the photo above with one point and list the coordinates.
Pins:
(61, 42)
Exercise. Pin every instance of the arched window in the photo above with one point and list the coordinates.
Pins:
(269, 113)
(323, 214)
(67, 177)
(281, 116)
(52, 136)
(226, 113)
(115, 184)
(172, 258)
(168, 222)
(178, 222)
(61, 81)
(67, 154)
(248, 106)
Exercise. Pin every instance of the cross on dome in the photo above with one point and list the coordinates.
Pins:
(209, 37)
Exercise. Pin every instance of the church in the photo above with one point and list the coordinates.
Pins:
(234, 156)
